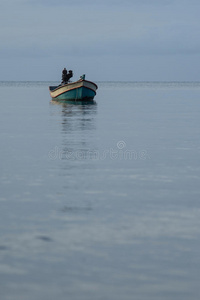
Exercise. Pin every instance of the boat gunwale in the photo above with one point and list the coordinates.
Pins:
(71, 83)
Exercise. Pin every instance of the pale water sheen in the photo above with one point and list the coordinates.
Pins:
(100, 201)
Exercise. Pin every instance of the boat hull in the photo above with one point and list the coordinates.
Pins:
(79, 90)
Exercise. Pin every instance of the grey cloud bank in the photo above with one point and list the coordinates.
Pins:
(107, 40)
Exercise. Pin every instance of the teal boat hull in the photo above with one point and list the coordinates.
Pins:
(81, 93)
(79, 90)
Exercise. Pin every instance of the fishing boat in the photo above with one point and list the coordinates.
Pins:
(79, 90)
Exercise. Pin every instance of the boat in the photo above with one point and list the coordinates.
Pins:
(79, 90)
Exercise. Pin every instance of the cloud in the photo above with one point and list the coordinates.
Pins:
(55, 29)
(165, 28)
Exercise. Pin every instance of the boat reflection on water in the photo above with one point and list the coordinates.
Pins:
(66, 103)
(78, 130)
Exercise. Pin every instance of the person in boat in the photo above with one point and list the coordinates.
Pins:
(69, 75)
(66, 76)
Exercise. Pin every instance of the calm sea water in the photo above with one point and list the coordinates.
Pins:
(100, 201)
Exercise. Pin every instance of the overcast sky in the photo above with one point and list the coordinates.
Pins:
(135, 40)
